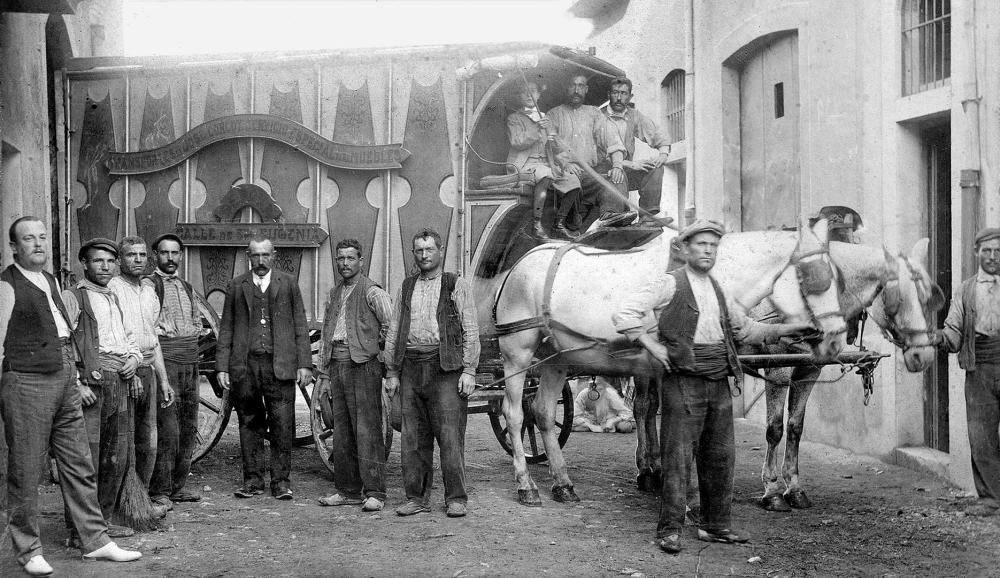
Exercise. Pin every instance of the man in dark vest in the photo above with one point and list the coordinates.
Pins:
(110, 357)
(431, 356)
(694, 339)
(40, 405)
(357, 318)
(178, 328)
(972, 329)
(263, 349)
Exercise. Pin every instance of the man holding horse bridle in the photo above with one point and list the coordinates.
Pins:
(972, 329)
(695, 341)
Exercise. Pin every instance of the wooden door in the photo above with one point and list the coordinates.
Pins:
(769, 137)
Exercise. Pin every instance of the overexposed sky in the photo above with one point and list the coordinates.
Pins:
(170, 27)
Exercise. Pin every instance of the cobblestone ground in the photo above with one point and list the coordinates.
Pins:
(868, 519)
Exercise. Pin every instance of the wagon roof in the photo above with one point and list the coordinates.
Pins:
(547, 54)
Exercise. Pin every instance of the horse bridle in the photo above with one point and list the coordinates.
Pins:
(813, 282)
(892, 299)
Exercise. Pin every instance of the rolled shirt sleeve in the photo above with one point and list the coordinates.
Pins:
(466, 305)
(951, 332)
(647, 131)
(640, 311)
(391, 336)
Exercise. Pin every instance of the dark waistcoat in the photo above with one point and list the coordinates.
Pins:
(359, 320)
(678, 322)
(32, 341)
(448, 318)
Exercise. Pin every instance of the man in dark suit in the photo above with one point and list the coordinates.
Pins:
(263, 348)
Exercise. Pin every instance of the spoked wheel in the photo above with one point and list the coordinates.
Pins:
(213, 402)
(534, 450)
(321, 418)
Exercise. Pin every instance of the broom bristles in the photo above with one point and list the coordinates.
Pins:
(134, 508)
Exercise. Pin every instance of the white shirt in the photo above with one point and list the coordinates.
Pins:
(263, 282)
(39, 280)
(709, 328)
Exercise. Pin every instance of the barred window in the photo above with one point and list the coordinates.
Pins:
(672, 97)
(926, 44)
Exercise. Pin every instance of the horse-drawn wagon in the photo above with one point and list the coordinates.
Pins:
(307, 149)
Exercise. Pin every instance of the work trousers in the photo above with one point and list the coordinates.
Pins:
(650, 186)
(145, 425)
(432, 410)
(42, 411)
(109, 431)
(177, 430)
(358, 454)
(265, 406)
(595, 199)
(982, 407)
(696, 417)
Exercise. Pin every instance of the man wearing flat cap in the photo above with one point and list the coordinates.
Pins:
(972, 329)
(695, 341)
(177, 327)
(109, 357)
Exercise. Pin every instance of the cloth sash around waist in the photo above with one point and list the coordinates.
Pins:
(987, 349)
(710, 360)
(180, 349)
(423, 353)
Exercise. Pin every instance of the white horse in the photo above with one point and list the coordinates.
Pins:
(557, 301)
(900, 297)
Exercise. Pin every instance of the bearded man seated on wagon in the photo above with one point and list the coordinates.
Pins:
(600, 408)
(532, 151)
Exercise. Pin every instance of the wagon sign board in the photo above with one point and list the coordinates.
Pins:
(293, 134)
(239, 234)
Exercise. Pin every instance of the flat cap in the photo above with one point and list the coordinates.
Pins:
(701, 226)
(98, 243)
(987, 234)
(166, 237)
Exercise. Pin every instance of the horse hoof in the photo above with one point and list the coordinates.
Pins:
(564, 494)
(529, 498)
(773, 503)
(646, 482)
(798, 499)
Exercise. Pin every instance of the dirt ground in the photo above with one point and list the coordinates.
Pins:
(869, 519)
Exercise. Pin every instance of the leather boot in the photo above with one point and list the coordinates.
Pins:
(539, 229)
(560, 229)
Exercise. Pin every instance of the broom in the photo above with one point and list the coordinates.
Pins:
(134, 508)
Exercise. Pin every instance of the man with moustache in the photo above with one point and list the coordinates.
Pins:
(695, 341)
(587, 137)
(141, 308)
(431, 355)
(41, 407)
(646, 175)
(177, 327)
(357, 318)
(972, 329)
(263, 350)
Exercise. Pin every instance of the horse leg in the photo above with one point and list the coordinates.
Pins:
(798, 395)
(772, 500)
(550, 388)
(516, 359)
(647, 450)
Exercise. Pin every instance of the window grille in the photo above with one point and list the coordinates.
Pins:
(672, 92)
(926, 44)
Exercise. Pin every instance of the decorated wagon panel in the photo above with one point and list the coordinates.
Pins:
(309, 149)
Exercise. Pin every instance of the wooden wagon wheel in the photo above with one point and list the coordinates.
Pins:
(213, 402)
(534, 450)
(321, 420)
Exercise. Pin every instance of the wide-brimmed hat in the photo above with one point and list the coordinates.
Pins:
(98, 243)
(701, 226)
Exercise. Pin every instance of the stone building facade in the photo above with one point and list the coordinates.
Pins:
(890, 108)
